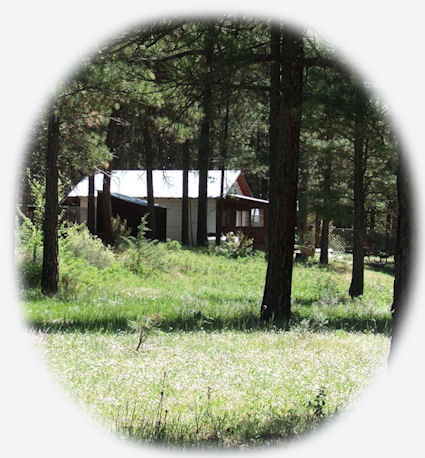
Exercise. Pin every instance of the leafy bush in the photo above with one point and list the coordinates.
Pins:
(77, 241)
(173, 245)
(29, 234)
(76, 276)
(30, 273)
(235, 246)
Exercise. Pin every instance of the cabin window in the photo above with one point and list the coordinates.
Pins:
(257, 217)
(242, 218)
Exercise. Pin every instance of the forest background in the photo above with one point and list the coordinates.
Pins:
(408, 129)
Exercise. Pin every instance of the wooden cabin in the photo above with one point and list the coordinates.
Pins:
(242, 212)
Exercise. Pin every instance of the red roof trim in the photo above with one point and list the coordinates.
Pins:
(244, 185)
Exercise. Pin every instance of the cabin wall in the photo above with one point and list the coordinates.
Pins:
(174, 217)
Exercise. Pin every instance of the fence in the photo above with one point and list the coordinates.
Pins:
(76, 214)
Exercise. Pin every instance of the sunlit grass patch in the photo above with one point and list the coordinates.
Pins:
(227, 388)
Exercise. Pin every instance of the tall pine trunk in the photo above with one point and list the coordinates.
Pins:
(50, 269)
(302, 218)
(149, 181)
(285, 120)
(219, 207)
(91, 213)
(317, 229)
(204, 141)
(185, 193)
(201, 233)
(324, 240)
(108, 235)
(403, 258)
(357, 277)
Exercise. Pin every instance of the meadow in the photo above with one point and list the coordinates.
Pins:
(207, 373)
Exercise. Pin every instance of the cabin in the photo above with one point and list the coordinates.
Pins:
(235, 209)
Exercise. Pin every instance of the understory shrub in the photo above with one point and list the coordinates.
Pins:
(121, 232)
(28, 252)
(143, 255)
(235, 246)
(77, 241)
(173, 245)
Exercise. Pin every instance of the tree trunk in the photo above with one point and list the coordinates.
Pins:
(201, 234)
(403, 259)
(324, 242)
(285, 119)
(219, 208)
(149, 182)
(50, 270)
(357, 278)
(108, 235)
(185, 194)
(91, 214)
(388, 232)
(25, 197)
(302, 218)
(204, 143)
(317, 227)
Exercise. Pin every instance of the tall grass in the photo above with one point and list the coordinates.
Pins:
(206, 371)
(222, 388)
(195, 290)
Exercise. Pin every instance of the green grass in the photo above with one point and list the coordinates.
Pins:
(194, 290)
(226, 380)
(227, 388)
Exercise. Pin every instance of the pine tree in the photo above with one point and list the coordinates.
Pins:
(50, 270)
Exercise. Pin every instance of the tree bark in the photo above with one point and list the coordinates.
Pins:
(403, 259)
(108, 235)
(91, 214)
(285, 121)
(219, 208)
(302, 218)
(50, 269)
(324, 239)
(324, 242)
(185, 193)
(149, 182)
(357, 278)
(204, 142)
(317, 229)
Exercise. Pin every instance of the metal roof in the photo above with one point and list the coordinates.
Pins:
(133, 200)
(166, 183)
(251, 199)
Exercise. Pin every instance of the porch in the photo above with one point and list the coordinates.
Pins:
(248, 215)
